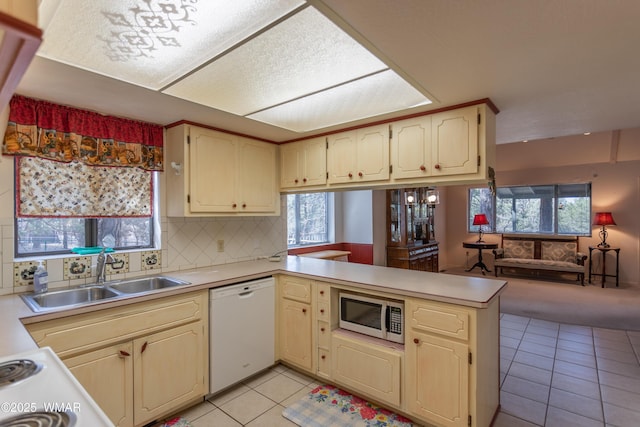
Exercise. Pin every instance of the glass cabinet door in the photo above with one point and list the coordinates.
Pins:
(395, 217)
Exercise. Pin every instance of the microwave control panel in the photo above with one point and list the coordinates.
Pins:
(395, 320)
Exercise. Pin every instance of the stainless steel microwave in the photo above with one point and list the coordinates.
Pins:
(377, 317)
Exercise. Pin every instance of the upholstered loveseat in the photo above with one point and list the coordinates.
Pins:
(540, 253)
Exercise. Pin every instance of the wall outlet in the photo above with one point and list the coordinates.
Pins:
(220, 245)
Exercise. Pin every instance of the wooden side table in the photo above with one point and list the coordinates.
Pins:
(480, 246)
(604, 274)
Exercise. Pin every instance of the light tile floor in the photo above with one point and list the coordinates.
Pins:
(551, 374)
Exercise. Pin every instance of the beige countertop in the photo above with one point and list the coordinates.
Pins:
(462, 290)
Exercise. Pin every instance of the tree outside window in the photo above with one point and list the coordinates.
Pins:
(560, 209)
(307, 219)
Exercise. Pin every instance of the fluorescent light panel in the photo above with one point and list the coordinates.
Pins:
(150, 44)
(302, 74)
(381, 93)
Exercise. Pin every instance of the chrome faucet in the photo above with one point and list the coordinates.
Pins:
(101, 266)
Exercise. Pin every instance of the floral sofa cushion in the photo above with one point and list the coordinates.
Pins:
(522, 249)
(559, 251)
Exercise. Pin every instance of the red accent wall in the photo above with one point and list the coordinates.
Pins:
(361, 253)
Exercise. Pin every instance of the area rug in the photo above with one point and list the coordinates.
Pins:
(328, 406)
(177, 422)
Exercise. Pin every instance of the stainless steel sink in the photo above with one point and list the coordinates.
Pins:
(68, 297)
(75, 297)
(145, 284)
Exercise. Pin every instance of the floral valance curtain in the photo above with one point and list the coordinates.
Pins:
(49, 131)
(74, 163)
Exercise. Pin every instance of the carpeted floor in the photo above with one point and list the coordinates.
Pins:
(565, 301)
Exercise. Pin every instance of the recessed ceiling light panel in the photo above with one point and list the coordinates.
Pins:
(150, 43)
(306, 53)
(381, 93)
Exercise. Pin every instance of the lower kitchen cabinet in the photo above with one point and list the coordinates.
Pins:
(369, 368)
(107, 375)
(139, 362)
(438, 390)
(167, 371)
(295, 333)
(452, 363)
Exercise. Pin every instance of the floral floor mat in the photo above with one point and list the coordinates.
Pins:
(328, 406)
(177, 422)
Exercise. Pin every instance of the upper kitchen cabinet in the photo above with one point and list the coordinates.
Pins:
(303, 164)
(359, 156)
(452, 146)
(214, 173)
(19, 41)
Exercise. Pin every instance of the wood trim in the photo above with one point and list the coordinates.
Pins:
(19, 45)
(486, 101)
(188, 122)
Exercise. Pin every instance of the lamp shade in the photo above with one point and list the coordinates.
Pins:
(480, 219)
(602, 218)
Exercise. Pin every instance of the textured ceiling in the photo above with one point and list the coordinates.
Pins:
(552, 67)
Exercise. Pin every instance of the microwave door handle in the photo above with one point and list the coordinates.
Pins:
(387, 318)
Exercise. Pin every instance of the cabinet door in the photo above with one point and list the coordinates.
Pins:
(437, 379)
(107, 375)
(295, 333)
(341, 157)
(314, 162)
(257, 177)
(291, 165)
(370, 369)
(372, 151)
(169, 371)
(212, 171)
(455, 141)
(411, 148)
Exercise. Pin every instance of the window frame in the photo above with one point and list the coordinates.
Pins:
(492, 214)
(91, 239)
(328, 221)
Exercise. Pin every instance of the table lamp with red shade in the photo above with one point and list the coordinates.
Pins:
(603, 219)
(480, 220)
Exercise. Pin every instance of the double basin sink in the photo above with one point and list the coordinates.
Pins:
(76, 297)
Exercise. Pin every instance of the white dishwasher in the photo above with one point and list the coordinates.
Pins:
(242, 331)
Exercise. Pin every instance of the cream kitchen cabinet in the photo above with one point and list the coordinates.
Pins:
(168, 371)
(368, 367)
(139, 362)
(295, 321)
(359, 156)
(217, 173)
(107, 375)
(303, 164)
(458, 145)
(452, 363)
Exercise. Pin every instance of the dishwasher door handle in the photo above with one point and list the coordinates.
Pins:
(246, 294)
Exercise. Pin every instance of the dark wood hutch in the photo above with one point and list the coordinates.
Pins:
(411, 240)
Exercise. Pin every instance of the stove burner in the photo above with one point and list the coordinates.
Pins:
(40, 419)
(17, 370)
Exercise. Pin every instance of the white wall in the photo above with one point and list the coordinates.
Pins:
(357, 216)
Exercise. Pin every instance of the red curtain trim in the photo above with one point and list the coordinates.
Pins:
(47, 115)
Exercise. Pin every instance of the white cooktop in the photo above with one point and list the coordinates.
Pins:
(51, 388)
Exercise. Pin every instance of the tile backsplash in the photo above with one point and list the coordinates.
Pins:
(186, 243)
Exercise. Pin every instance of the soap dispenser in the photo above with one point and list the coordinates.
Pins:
(40, 279)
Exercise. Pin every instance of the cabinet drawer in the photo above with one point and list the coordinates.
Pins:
(324, 363)
(323, 292)
(323, 311)
(324, 332)
(70, 335)
(295, 288)
(440, 319)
